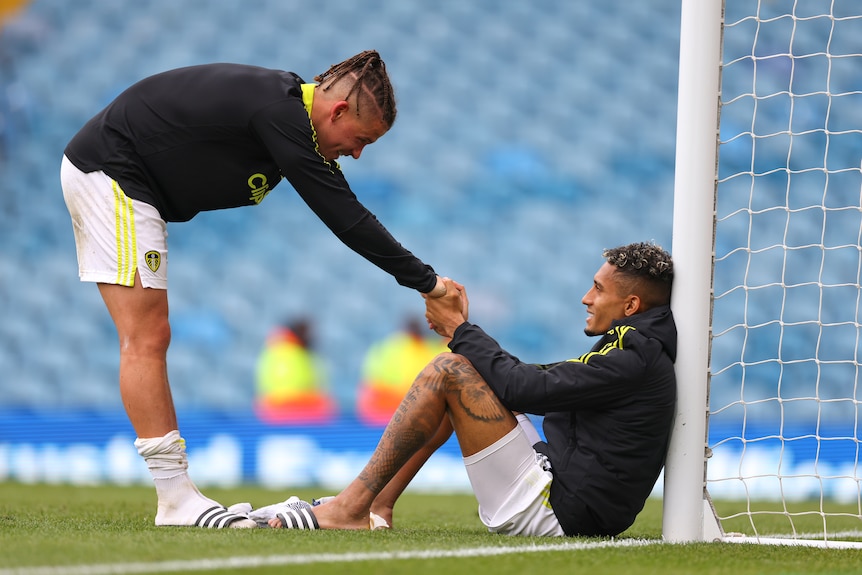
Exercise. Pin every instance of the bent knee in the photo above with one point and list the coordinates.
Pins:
(455, 368)
(448, 359)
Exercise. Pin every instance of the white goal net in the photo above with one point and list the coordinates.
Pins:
(784, 367)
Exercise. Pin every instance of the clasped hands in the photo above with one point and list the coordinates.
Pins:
(445, 312)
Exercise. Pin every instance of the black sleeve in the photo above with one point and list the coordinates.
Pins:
(593, 381)
(285, 130)
(372, 241)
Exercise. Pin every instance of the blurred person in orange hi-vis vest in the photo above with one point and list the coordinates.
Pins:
(291, 383)
(389, 368)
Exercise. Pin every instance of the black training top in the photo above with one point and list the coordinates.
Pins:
(608, 415)
(221, 136)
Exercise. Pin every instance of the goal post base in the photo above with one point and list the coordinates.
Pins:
(712, 530)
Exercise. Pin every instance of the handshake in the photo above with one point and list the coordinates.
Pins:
(446, 307)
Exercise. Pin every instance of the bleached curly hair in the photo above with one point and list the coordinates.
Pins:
(647, 269)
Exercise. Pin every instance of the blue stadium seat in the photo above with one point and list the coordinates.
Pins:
(507, 166)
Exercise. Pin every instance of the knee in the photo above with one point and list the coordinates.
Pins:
(453, 368)
(146, 339)
(447, 360)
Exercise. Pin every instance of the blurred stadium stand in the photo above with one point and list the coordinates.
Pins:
(530, 136)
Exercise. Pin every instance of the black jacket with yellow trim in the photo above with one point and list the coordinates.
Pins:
(607, 415)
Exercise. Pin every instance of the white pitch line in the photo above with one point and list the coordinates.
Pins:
(270, 560)
(791, 542)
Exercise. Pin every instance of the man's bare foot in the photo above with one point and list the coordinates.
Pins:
(335, 515)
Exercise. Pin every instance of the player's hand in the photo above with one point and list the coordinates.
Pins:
(465, 303)
(447, 312)
(439, 289)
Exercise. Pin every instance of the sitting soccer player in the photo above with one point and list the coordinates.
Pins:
(607, 416)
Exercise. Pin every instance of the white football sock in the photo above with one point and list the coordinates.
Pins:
(165, 456)
(180, 501)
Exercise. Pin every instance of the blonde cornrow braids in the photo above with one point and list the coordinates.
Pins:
(371, 82)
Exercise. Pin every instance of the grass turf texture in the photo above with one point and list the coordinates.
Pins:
(60, 526)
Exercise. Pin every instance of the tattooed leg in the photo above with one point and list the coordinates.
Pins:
(384, 503)
(477, 414)
(414, 423)
(450, 387)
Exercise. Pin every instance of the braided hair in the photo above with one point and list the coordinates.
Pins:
(648, 270)
(370, 83)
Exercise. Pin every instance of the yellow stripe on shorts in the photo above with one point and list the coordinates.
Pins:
(546, 497)
(127, 247)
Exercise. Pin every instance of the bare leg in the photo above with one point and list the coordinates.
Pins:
(384, 503)
(448, 386)
(141, 317)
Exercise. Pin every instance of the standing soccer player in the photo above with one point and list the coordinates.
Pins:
(205, 138)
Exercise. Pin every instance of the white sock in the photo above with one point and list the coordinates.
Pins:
(165, 456)
(180, 501)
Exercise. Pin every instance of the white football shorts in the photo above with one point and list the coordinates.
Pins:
(115, 236)
(512, 487)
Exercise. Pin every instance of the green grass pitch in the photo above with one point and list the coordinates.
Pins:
(64, 530)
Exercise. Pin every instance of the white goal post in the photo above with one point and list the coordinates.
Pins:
(767, 299)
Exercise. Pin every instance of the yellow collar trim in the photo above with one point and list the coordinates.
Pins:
(308, 97)
(307, 101)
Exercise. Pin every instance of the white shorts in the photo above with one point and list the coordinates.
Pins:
(513, 487)
(115, 236)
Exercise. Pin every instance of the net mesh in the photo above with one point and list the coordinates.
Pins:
(784, 388)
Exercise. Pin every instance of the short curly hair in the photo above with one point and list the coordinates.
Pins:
(647, 269)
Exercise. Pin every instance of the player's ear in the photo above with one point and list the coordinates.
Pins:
(338, 109)
(633, 305)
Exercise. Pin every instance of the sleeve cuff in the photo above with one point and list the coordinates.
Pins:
(458, 331)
